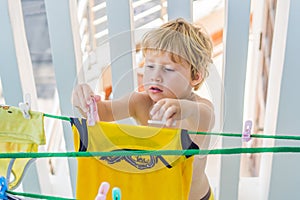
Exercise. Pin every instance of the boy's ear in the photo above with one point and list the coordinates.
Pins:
(197, 79)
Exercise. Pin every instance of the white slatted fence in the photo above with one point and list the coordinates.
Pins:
(90, 34)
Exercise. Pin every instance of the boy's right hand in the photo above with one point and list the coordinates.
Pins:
(82, 97)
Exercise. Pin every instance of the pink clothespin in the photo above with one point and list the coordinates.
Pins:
(103, 190)
(246, 135)
(25, 106)
(92, 114)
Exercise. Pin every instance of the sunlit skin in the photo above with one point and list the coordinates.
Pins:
(165, 79)
(168, 96)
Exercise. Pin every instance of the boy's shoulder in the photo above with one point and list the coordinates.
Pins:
(140, 99)
(200, 99)
(140, 104)
(140, 95)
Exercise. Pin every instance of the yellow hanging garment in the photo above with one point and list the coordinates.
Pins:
(138, 177)
(18, 134)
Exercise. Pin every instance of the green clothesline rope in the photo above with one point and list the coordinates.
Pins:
(36, 196)
(154, 152)
(58, 117)
(127, 153)
(281, 137)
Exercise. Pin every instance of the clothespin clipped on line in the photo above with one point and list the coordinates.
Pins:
(116, 193)
(103, 190)
(246, 135)
(4, 195)
(92, 114)
(157, 123)
(3, 188)
(25, 106)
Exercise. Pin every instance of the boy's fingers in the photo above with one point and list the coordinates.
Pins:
(81, 96)
(157, 107)
(154, 109)
(97, 98)
(170, 122)
(155, 117)
(78, 99)
(158, 115)
(170, 113)
(87, 93)
(162, 112)
(83, 99)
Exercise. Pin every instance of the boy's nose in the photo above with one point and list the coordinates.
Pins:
(156, 77)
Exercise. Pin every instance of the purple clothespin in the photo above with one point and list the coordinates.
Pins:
(246, 136)
(92, 114)
(3, 188)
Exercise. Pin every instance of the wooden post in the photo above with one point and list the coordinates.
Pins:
(285, 169)
(275, 74)
(64, 54)
(17, 80)
(122, 46)
(179, 8)
(236, 34)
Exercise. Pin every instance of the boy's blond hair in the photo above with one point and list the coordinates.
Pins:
(185, 42)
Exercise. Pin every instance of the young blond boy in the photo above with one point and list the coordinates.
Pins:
(177, 56)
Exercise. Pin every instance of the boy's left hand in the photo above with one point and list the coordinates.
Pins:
(168, 110)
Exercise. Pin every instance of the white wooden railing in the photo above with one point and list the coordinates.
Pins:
(83, 41)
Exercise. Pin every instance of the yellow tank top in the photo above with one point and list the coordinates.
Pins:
(18, 134)
(138, 177)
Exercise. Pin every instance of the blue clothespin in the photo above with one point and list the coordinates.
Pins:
(3, 188)
(246, 136)
(116, 193)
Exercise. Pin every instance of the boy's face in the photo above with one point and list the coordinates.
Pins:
(165, 79)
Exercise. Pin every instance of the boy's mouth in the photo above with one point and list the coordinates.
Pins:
(155, 89)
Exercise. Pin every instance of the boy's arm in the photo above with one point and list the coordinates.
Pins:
(204, 115)
(199, 115)
(194, 115)
(112, 110)
(108, 110)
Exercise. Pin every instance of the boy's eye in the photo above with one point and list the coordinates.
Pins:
(149, 66)
(169, 69)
